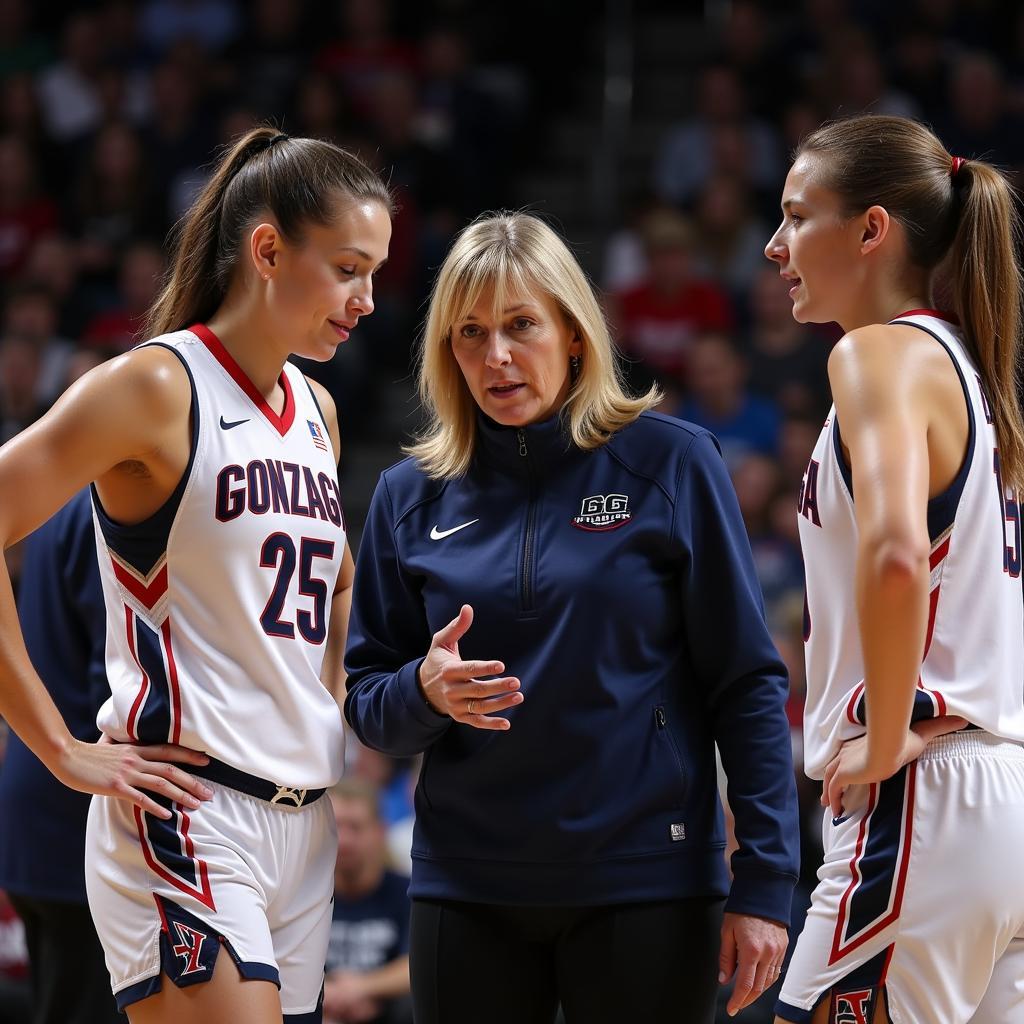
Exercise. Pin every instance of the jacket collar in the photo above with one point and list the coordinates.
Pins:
(537, 445)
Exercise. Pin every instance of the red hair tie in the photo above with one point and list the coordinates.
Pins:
(956, 162)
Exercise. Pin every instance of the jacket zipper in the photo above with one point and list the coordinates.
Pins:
(526, 566)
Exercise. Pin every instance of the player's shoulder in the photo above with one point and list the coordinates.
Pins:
(150, 378)
(884, 356)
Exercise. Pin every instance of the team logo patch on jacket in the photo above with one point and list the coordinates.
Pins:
(603, 512)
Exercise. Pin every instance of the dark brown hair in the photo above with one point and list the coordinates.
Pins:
(298, 181)
(968, 219)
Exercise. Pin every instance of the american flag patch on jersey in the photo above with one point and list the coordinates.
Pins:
(318, 437)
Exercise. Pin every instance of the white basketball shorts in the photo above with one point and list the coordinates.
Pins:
(920, 896)
(253, 876)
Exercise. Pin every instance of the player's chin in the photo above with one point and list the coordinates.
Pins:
(320, 349)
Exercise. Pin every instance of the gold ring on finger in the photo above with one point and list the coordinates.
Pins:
(470, 705)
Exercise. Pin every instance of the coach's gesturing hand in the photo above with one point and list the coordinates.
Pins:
(451, 686)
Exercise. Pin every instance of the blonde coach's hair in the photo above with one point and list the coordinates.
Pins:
(515, 254)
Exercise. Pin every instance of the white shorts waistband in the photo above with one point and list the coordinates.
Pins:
(972, 742)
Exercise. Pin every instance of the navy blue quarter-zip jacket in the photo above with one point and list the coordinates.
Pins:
(617, 584)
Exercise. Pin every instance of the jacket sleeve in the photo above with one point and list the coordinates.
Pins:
(388, 638)
(745, 683)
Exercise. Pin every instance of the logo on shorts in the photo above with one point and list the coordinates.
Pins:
(602, 512)
(190, 947)
(853, 1007)
(287, 795)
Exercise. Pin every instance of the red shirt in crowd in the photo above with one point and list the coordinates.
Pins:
(660, 328)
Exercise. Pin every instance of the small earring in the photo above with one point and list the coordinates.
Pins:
(266, 277)
(574, 368)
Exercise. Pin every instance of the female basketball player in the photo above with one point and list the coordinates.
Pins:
(912, 541)
(221, 542)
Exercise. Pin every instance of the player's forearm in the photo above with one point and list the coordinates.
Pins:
(892, 599)
(24, 701)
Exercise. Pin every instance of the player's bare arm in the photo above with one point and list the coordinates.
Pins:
(885, 429)
(123, 425)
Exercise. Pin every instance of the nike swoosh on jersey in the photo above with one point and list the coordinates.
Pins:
(436, 534)
(228, 424)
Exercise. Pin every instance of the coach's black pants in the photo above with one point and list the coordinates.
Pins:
(70, 983)
(650, 962)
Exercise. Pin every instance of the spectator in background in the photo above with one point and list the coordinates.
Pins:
(113, 200)
(269, 56)
(717, 398)
(756, 479)
(797, 437)
(787, 360)
(54, 265)
(19, 385)
(458, 116)
(977, 120)
(178, 138)
(318, 108)
(42, 822)
(25, 212)
(21, 49)
(684, 163)
(21, 117)
(210, 24)
(919, 66)
(367, 50)
(117, 328)
(71, 91)
(730, 239)
(854, 80)
(748, 44)
(31, 315)
(659, 318)
(368, 958)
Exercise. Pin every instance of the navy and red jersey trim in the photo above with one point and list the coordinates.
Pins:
(142, 545)
(281, 423)
(170, 851)
(939, 314)
(878, 870)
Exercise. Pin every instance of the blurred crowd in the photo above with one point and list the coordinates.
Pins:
(110, 113)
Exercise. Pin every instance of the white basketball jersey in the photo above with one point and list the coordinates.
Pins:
(218, 605)
(973, 658)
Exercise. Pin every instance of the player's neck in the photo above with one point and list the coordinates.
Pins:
(252, 342)
(882, 305)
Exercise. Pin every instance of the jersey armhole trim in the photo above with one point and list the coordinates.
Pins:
(142, 544)
(942, 508)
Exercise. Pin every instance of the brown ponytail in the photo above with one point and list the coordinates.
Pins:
(296, 180)
(966, 221)
(986, 280)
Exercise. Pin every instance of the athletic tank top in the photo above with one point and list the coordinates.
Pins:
(973, 657)
(218, 604)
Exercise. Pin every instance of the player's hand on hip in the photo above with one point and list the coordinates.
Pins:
(851, 765)
(753, 949)
(127, 772)
(453, 687)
